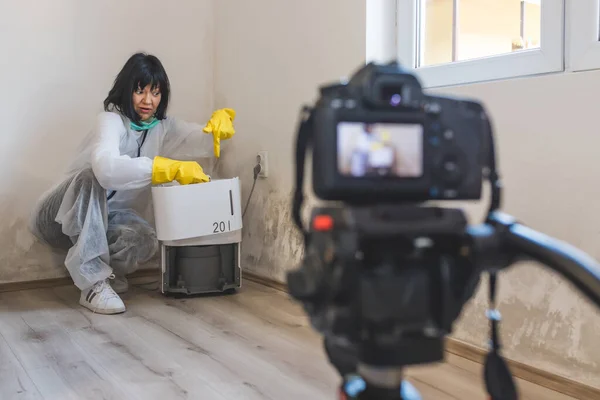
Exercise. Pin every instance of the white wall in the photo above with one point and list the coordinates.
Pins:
(270, 57)
(58, 61)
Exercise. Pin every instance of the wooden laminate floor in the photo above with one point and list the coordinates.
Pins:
(253, 345)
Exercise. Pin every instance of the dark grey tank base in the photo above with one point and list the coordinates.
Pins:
(193, 270)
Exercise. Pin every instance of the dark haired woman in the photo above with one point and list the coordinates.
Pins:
(96, 213)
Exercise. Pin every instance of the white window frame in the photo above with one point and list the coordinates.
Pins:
(583, 44)
(548, 58)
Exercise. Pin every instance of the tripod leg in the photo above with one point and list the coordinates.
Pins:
(409, 392)
(355, 388)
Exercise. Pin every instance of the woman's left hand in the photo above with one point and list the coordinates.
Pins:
(221, 127)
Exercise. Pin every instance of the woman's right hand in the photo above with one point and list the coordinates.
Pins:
(165, 170)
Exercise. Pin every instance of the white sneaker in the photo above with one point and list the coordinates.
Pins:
(119, 284)
(102, 299)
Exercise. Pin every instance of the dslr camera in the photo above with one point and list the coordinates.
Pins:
(380, 139)
(384, 274)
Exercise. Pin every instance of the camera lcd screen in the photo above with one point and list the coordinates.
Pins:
(371, 150)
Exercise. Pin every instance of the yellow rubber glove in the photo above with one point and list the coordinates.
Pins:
(221, 127)
(165, 170)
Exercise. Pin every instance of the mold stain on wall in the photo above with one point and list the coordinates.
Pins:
(546, 323)
(271, 243)
(23, 257)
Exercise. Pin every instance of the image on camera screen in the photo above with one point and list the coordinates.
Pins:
(380, 150)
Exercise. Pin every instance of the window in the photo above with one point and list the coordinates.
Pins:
(459, 30)
(451, 42)
(584, 35)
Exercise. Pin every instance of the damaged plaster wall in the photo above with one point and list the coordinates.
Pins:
(59, 61)
(266, 71)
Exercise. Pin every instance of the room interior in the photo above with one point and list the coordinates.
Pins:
(265, 59)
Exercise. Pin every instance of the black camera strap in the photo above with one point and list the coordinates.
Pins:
(498, 379)
(302, 143)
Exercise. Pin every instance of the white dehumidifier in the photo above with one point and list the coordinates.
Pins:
(199, 228)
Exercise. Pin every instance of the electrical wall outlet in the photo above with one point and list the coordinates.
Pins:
(263, 159)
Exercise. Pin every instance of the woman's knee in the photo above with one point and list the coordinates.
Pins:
(137, 240)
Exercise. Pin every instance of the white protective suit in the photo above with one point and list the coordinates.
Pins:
(100, 212)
